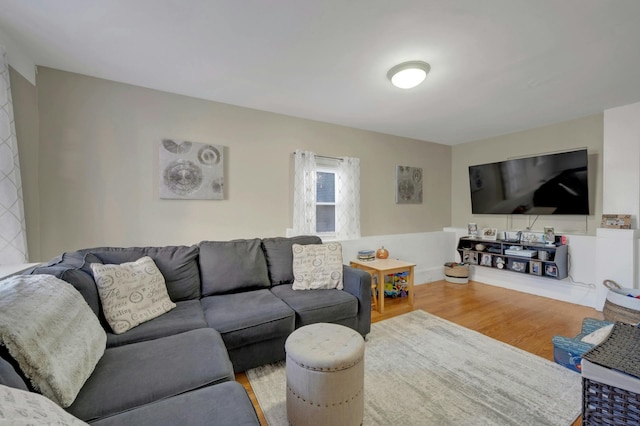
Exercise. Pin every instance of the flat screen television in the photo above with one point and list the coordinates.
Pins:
(537, 185)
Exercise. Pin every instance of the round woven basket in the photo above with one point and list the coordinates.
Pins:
(457, 271)
(620, 307)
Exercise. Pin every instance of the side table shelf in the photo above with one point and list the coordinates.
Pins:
(546, 261)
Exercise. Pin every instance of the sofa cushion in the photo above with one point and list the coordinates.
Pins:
(278, 252)
(80, 278)
(20, 407)
(131, 293)
(314, 306)
(187, 315)
(133, 375)
(178, 265)
(248, 317)
(9, 376)
(317, 266)
(232, 266)
(225, 404)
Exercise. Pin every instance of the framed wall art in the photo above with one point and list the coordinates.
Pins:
(617, 221)
(191, 170)
(408, 185)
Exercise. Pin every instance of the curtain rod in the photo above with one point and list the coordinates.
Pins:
(325, 156)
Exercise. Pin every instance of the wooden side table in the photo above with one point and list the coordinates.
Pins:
(382, 267)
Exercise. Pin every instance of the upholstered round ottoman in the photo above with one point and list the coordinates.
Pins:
(325, 376)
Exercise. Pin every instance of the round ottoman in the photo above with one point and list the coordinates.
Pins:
(325, 375)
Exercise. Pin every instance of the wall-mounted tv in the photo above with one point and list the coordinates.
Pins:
(537, 185)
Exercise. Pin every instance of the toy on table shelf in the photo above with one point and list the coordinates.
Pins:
(396, 285)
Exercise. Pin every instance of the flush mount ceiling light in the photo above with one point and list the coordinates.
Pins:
(408, 74)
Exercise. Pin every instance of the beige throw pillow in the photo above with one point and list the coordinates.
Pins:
(131, 293)
(317, 266)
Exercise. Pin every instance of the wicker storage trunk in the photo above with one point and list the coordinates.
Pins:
(619, 306)
(611, 379)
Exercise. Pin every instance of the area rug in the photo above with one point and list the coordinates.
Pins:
(423, 370)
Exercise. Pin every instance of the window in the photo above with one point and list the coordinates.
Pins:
(326, 199)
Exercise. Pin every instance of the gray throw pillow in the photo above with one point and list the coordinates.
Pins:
(279, 256)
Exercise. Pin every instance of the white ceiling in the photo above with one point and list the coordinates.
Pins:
(497, 66)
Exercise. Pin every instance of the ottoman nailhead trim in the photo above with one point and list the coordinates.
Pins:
(337, 368)
(326, 405)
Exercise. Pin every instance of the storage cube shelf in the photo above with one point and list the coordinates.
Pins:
(518, 257)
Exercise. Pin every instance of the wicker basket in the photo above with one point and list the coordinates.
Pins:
(457, 270)
(456, 273)
(620, 307)
(604, 399)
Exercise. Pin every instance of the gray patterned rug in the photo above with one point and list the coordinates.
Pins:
(423, 370)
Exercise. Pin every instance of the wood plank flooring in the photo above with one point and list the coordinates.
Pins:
(518, 319)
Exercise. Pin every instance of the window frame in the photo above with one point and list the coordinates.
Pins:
(328, 165)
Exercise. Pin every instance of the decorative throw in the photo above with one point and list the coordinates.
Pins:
(131, 293)
(18, 407)
(50, 330)
(317, 266)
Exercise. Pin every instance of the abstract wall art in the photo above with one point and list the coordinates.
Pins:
(191, 170)
(408, 185)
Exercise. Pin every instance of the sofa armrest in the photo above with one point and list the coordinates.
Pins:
(358, 283)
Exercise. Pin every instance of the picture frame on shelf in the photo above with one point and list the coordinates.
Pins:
(472, 229)
(485, 259)
(535, 267)
(470, 257)
(549, 235)
(518, 266)
(489, 234)
(616, 221)
(551, 270)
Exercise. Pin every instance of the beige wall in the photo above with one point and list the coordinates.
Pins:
(585, 132)
(25, 111)
(98, 170)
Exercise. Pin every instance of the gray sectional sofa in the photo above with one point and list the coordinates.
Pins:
(235, 307)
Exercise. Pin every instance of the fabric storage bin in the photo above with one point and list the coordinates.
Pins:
(621, 303)
(611, 379)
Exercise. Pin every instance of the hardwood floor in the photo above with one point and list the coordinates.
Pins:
(518, 319)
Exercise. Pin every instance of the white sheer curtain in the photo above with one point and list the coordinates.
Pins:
(348, 199)
(13, 240)
(347, 191)
(304, 193)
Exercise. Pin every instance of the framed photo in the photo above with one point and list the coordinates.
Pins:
(485, 259)
(499, 262)
(470, 257)
(617, 221)
(551, 270)
(518, 266)
(472, 229)
(535, 267)
(549, 235)
(490, 234)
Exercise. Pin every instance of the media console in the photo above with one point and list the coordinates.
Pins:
(543, 260)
